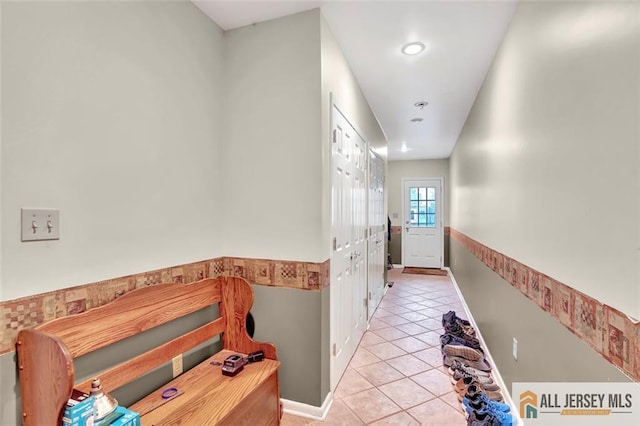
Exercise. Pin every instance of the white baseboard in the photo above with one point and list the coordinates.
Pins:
(497, 377)
(305, 410)
(397, 266)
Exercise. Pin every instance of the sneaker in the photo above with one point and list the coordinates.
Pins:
(457, 330)
(479, 400)
(472, 407)
(473, 392)
(463, 384)
(504, 419)
(457, 375)
(482, 419)
(480, 364)
(461, 351)
(450, 339)
(451, 318)
(459, 366)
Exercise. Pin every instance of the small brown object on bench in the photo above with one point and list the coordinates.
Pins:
(46, 354)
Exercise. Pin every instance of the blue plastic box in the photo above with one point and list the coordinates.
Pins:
(128, 418)
(79, 410)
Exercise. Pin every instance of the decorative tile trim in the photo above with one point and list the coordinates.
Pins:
(30, 311)
(610, 332)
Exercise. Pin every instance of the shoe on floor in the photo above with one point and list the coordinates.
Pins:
(450, 339)
(484, 404)
(451, 318)
(474, 393)
(463, 384)
(481, 364)
(504, 419)
(480, 379)
(460, 331)
(482, 419)
(459, 366)
(461, 351)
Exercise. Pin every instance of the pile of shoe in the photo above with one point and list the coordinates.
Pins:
(471, 374)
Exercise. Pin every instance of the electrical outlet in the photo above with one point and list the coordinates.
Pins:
(177, 365)
(515, 349)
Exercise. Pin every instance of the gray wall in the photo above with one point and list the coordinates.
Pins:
(547, 165)
(291, 319)
(547, 350)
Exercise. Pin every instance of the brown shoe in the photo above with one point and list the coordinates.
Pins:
(463, 384)
(473, 390)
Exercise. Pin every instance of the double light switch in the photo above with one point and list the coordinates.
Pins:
(40, 224)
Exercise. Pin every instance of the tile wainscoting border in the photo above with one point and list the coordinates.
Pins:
(613, 334)
(30, 311)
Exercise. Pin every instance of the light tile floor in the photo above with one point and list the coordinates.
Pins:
(396, 376)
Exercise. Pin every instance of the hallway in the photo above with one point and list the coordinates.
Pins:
(396, 375)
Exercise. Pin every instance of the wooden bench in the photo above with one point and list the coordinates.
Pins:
(46, 357)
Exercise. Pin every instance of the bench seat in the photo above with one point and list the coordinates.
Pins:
(210, 398)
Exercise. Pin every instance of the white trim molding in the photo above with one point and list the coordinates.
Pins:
(309, 411)
(497, 377)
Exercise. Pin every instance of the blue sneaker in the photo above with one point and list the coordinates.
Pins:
(505, 419)
(481, 402)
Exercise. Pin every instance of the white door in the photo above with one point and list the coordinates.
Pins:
(348, 259)
(422, 240)
(377, 223)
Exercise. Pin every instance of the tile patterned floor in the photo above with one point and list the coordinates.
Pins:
(396, 376)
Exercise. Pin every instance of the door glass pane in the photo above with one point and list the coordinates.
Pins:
(422, 207)
(413, 193)
(422, 219)
(414, 206)
(422, 193)
(431, 207)
(431, 193)
(431, 221)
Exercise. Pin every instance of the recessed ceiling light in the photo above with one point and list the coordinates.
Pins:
(412, 48)
(404, 147)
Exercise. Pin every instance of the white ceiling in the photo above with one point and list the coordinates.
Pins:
(462, 38)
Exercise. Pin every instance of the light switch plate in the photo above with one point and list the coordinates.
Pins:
(40, 224)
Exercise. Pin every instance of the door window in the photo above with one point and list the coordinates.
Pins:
(423, 206)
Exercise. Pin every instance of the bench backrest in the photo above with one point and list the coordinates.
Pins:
(46, 352)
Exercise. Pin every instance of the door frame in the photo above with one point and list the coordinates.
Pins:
(439, 213)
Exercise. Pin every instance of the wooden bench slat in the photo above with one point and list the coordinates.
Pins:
(131, 314)
(134, 368)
